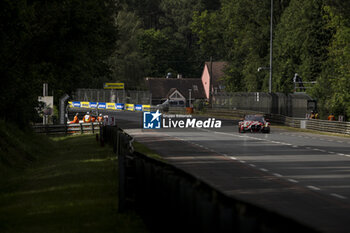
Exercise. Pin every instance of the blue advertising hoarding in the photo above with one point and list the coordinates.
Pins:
(76, 104)
(120, 106)
(102, 105)
(93, 104)
(138, 107)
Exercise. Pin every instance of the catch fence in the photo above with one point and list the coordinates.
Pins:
(113, 96)
(293, 105)
(68, 128)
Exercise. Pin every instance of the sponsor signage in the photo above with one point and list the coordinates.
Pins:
(129, 107)
(146, 108)
(102, 105)
(84, 104)
(93, 104)
(111, 106)
(119, 86)
(76, 104)
(120, 106)
(138, 107)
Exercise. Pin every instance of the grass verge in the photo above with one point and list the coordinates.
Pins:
(73, 188)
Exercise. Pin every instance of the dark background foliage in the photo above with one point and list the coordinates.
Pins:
(83, 43)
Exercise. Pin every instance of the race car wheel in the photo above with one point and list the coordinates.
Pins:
(240, 130)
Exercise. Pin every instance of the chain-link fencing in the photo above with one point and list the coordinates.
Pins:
(294, 105)
(113, 96)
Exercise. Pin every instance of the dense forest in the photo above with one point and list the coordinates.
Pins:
(82, 43)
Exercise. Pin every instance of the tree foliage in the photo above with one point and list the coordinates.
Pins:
(63, 43)
(76, 43)
(301, 41)
(127, 63)
(333, 87)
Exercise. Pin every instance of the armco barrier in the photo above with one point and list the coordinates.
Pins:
(328, 126)
(171, 200)
(312, 124)
(67, 129)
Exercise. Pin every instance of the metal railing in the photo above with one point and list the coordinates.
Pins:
(326, 126)
(339, 127)
(67, 129)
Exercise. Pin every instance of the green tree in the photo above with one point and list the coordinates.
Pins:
(300, 46)
(127, 63)
(333, 86)
(246, 36)
(63, 43)
(161, 53)
(208, 27)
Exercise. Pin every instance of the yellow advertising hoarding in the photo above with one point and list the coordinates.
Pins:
(146, 108)
(129, 107)
(119, 86)
(85, 104)
(110, 106)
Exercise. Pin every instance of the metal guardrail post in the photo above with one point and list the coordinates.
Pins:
(81, 128)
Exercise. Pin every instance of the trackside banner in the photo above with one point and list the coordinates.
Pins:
(155, 120)
(129, 107)
(101, 106)
(120, 106)
(109, 106)
(138, 107)
(146, 108)
(85, 104)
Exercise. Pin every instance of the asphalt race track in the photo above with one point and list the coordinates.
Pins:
(301, 175)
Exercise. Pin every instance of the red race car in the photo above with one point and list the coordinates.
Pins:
(254, 123)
